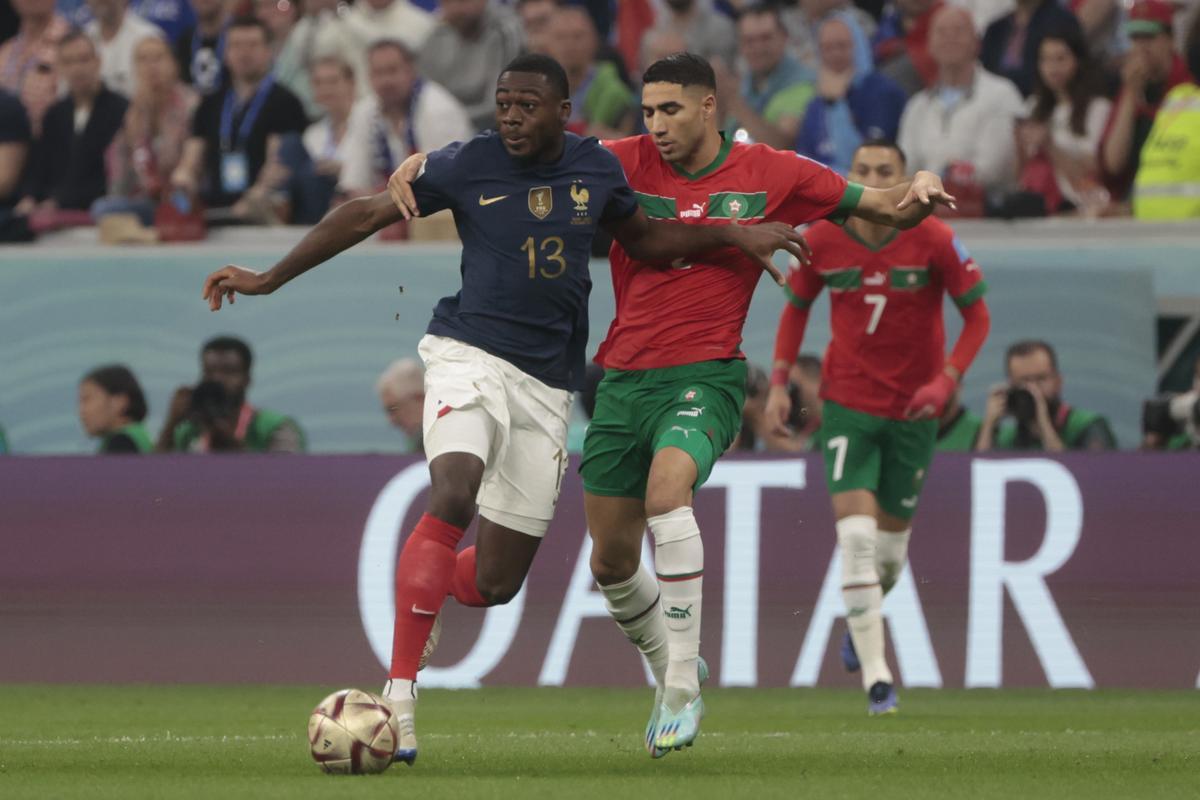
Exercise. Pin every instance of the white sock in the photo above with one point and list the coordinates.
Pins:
(635, 606)
(401, 694)
(891, 554)
(679, 559)
(863, 595)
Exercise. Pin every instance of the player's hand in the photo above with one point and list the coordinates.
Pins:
(779, 408)
(400, 185)
(229, 281)
(926, 188)
(930, 400)
(761, 241)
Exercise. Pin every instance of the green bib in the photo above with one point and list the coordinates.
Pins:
(135, 431)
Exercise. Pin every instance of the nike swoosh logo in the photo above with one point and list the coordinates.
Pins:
(416, 610)
(487, 201)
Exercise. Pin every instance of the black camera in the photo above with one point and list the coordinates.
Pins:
(210, 402)
(1020, 404)
(796, 417)
(1168, 415)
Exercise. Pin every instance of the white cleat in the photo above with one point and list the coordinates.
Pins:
(405, 712)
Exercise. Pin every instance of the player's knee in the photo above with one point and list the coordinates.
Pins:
(497, 590)
(665, 495)
(610, 567)
(452, 501)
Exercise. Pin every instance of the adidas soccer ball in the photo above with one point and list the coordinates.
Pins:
(353, 732)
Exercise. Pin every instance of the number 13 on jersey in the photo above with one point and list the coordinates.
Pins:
(551, 249)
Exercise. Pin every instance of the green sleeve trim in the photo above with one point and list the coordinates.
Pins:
(971, 295)
(849, 202)
(795, 299)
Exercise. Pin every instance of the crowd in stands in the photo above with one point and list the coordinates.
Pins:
(150, 112)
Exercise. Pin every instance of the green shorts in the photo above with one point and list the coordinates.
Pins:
(695, 407)
(889, 457)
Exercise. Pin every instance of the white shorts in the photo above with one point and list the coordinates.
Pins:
(478, 403)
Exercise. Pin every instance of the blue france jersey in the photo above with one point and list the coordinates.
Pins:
(526, 233)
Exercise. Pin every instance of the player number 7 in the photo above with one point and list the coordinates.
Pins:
(839, 444)
(879, 301)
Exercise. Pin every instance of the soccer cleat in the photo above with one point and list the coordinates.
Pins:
(677, 730)
(882, 699)
(849, 654)
(652, 725)
(404, 710)
(431, 643)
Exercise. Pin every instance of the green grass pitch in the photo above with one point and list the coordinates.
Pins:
(249, 741)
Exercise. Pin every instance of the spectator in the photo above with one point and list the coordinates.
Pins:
(215, 414)
(704, 31)
(116, 31)
(961, 128)
(985, 12)
(112, 409)
(803, 21)
(467, 50)
(958, 429)
(368, 21)
(1057, 141)
(401, 390)
(200, 49)
(314, 177)
(601, 105)
(66, 169)
(535, 16)
(173, 17)
(15, 140)
(1172, 421)
(1152, 68)
(405, 115)
(853, 102)
(27, 59)
(149, 145)
(1168, 177)
(754, 412)
(807, 404)
(902, 44)
(1040, 420)
(777, 87)
(1011, 43)
(234, 132)
(281, 18)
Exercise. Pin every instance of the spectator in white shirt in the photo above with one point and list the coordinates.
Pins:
(116, 31)
(962, 126)
(369, 21)
(404, 115)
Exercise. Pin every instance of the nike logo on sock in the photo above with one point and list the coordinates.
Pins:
(416, 610)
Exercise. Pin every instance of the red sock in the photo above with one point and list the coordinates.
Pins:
(423, 577)
(463, 586)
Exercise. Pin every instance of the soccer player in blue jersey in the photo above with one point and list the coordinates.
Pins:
(503, 355)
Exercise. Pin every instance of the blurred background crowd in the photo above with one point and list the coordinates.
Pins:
(156, 118)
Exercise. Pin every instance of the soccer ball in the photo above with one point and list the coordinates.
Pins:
(353, 732)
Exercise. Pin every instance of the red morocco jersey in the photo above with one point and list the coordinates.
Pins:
(888, 338)
(672, 315)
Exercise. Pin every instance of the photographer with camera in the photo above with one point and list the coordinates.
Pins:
(215, 415)
(1172, 421)
(1032, 398)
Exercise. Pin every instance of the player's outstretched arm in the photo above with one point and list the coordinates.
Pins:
(340, 229)
(906, 204)
(661, 240)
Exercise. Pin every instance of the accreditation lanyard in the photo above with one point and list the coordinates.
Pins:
(387, 164)
(228, 143)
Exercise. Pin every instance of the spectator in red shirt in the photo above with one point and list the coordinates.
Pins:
(1152, 68)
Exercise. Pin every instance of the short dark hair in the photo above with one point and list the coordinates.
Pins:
(118, 379)
(393, 44)
(763, 9)
(685, 69)
(809, 364)
(539, 64)
(252, 22)
(886, 144)
(1027, 347)
(230, 344)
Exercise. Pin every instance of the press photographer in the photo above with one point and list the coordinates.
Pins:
(1172, 421)
(1028, 412)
